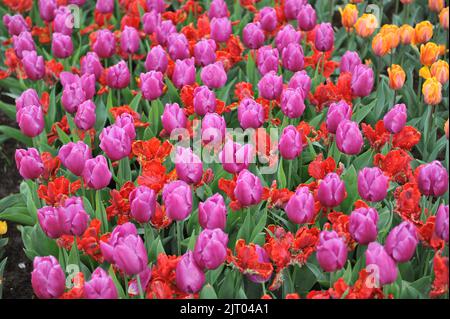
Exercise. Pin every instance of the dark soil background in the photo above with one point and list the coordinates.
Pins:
(17, 278)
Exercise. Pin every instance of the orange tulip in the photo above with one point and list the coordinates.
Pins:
(432, 91)
(391, 33)
(446, 128)
(429, 53)
(436, 5)
(443, 18)
(349, 16)
(423, 32)
(406, 34)
(366, 25)
(396, 77)
(439, 70)
(380, 45)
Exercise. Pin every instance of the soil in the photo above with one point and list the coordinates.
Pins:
(17, 278)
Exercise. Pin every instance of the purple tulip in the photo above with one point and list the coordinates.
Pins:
(372, 184)
(306, 17)
(331, 251)
(72, 216)
(301, 80)
(188, 166)
(268, 19)
(90, 64)
(173, 118)
(129, 40)
(300, 207)
(211, 248)
(177, 198)
(150, 21)
(23, 42)
(267, 59)
(34, 65)
(29, 163)
(118, 234)
(74, 156)
(250, 114)
(331, 190)
(383, 265)
(49, 220)
(105, 6)
(126, 121)
(290, 145)
(157, 5)
(213, 75)
(142, 204)
(270, 86)
(47, 278)
(401, 242)
(189, 277)
(217, 9)
(115, 142)
(395, 119)
(15, 24)
(204, 100)
(286, 36)
(144, 276)
(30, 119)
(253, 36)
(349, 61)
(292, 57)
(62, 46)
(63, 21)
(220, 29)
(130, 255)
(101, 286)
(85, 117)
(441, 223)
(292, 103)
(248, 190)
(178, 46)
(292, 8)
(212, 213)
(96, 173)
(184, 73)
(118, 76)
(337, 112)
(235, 157)
(362, 80)
(152, 85)
(105, 44)
(73, 95)
(156, 60)
(163, 30)
(213, 129)
(349, 139)
(433, 179)
(324, 37)
(27, 98)
(205, 52)
(363, 225)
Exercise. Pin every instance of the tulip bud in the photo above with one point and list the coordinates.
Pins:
(62, 22)
(433, 179)
(301, 80)
(306, 18)
(212, 213)
(126, 121)
(366, 25)
(118, 234)
(372, 184)
(300, 207)
(331, 191)
(292, 8)
(90, 64)
(235, 157)
(183, 73)
(268, 19)
(267, 59)
(349, 15)
(105, 6)
(429, 53)
(50, 222)
(324, 37)
(292, 103)
(156, 60)
(406, 34)
(423, 32)
(213, 75)
(30, 119)
(74, 156)
(248, 190)
(381, 264)
(62, 46)
(188, 166)
(150, 21)
(396, 77)
(220, 29)
(395, 119)
(218, 9)
(443, 18)
(101, 285)
(439, 70)
(211, 248)
(34, 65)
(331, 251)
(349, 61)
(205, 52)
(15, 24)
(96, 173)
(72, 216)
(72, 96)
(29, 163)
(118, 76)
(189, 277)
(292, 57)
(213, 129)
(173, 118)
(362, 80)
(401, 242)
(47, 278)
(104, 44)
(142, 204)
(27, 98)
(129, 40)
(115, 142)
(290, 145)
(23, 42)
(204, 100)
(85, 117)
(363, 225)
(178, 46)
(270, 86)
(250, 114)
(163, 30)
(432, 91)
(152, 85)
(436, 5)
(130, 255)
(337, 112)
(349, 139)
(177, 198)
(253, 36)
(156, 5)
(286, 36)
(441, 223)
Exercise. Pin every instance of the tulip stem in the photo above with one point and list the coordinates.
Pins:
(141, 291)
(263, 288)
(179, 237)
(125, 278)
(290, 174)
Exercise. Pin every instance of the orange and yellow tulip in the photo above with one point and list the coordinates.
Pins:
(423, 32)
(429, 53)
(396, 77)
(366, 25)
(432, 91)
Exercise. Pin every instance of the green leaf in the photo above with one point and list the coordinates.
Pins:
(135, 102)
(8, 109)
(15, 134)
(281, 176)
(121, 293)
(208, 292)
